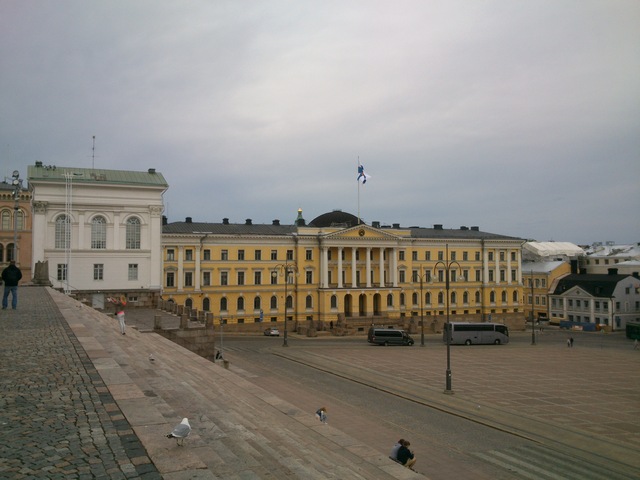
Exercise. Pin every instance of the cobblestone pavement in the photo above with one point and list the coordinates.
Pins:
(58, 419)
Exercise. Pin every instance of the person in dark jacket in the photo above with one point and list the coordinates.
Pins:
(11, 276)
(406, 456)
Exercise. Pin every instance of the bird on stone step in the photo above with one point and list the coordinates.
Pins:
(180, 431)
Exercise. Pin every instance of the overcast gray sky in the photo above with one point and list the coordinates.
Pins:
(520, 117)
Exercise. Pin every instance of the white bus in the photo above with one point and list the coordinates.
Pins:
(465, 333)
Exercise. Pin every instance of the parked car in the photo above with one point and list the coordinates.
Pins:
(272, 332)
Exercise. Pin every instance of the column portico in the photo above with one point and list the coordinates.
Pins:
(381, 267)
(340, 267)
(368, 268)
(324, 267)
(353, 267)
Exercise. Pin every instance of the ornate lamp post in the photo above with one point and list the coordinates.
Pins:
(285, 269)
(17, 187)
(447, 264)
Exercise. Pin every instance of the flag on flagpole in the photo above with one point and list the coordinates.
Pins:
(362, 175)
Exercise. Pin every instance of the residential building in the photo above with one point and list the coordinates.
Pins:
(340, 267)
(539, 279)
(99, 231)
(600, 257)
(15, 227)
(597, 299)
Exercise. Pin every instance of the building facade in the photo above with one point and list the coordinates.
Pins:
(15, 228)
(609, 300)
(539, 279)
(338, 267)
(99, 231)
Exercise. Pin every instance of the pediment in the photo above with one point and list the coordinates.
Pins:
(361, 233)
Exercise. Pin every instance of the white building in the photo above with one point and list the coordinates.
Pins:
(600, 258)
(99, 230)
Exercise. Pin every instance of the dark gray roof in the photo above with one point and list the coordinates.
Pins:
(190, 228)
(462, 232)
(597, 285)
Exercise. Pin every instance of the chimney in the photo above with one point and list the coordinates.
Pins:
(247, 221)
(612, 271)
(437, 226)
(375, 224)
(396, 226)
(188, 220)
(276, 222)
(38, 164)
(635, 275)
(225, 221)
(475, 229)
(152, 170)
(164, 220)
(574, 266)
(464, 228)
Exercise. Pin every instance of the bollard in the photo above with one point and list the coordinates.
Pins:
(226, 364)
(157, 322)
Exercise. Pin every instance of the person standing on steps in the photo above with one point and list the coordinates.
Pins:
(120, 304)
(11, 276)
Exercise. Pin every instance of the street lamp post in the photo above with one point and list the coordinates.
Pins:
(285, 269)
(613, 312)
(447, 264)
(17, 187)
(422, 279)
(533, 331)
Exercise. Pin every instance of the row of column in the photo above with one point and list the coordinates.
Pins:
(393, 268)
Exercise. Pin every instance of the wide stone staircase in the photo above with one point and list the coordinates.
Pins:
(240, 431)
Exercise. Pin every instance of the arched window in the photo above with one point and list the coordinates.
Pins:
(206, 305)
(1, 253)
(223, 304)
(515, 297)
(389, 300)
(492, 297)
(477, 297)
(440, 298)
(504, 296)
(240, 303)
(20, 220)
(334, 301)
(309, 302)
(188, 303)
(6, 220)
(414, 298)
(274, 302)
(465, 297)
(402, 299)
(454, 297)
(289, 302)
(133, 234)
(63, 232)
(427, 298)
(98, 232)
(257, 304)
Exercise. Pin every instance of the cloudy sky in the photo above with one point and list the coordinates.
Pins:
(520, 117)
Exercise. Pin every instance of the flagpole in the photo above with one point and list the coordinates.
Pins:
(358, 181)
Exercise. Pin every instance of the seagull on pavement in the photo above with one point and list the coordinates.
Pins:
(180, 431)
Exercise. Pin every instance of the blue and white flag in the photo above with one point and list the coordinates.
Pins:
(362, 175)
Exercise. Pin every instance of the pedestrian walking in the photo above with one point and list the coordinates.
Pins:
(568, 343)
(120, 303)
(11, 276)
(571, 342)
(321, 414)
(635, 344)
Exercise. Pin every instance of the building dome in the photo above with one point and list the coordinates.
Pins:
(337, 218)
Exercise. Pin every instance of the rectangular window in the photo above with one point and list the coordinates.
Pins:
(491, 256)
(171, 254)
(309, 254)
(274, 255)
(257, 255)
(514, 275)
(274, 278)
(502, 256)
(224, 278)
(402, 276)
(289, 254)
(132, 273)
(188, 279)
(491, 275)
(171, 279)
(513, 256)
(503, 275)
(224, 255)
(206, 278)
(453, 255)
(414, 256)
(309, 277)
(440, 255)
(206, 255)
(257, 278)
(427, 256)
(465, 256)
(414, 276)
(188, 255)
(441, 275)
(240, 254)
(240, 278)
(98, 271)
(478, 274)
(477, 256)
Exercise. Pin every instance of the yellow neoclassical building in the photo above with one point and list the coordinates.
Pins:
(339, 267)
